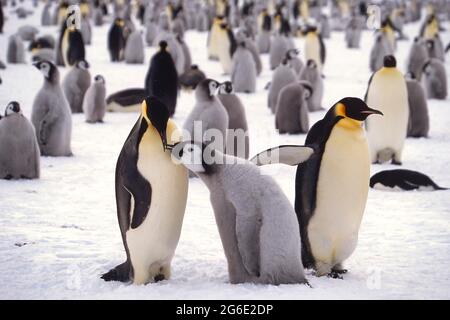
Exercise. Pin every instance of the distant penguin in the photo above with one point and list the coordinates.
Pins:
(435, 79)
(98, 17)
(380, 49)
(134, 49)
(242, 36)
(282, 76)
(238, 142)
(27, 32)
(191, 78)
(389, 29)
(294, 61)
(311, 74)
(162, 78)
(292, 108)
(46, 18)
(59, 59)
(128, 100)
(94, 104)
(151, 195)
(20, 155)
(16, 50)
(75, 84)
(116, 40)
(325, 28)
(202, 22)
(174, 49)
(353, 32)
(45, 42)
(214, 38)
(243, 70)
(226, 47)
(404, 180)
(86, 30)
(314, 47)
(72, 46)
(331, 188)
(263, 37)
(417, 58)
(2, 19)
(387, 90)
(50, 114)
(261, 237)
(151, 31)
(419, 121)
(186, 53)
(430, 27)
(436, 48)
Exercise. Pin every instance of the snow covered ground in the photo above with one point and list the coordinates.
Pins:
(60, 233)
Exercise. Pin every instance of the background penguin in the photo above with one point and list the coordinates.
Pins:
(226, 47)
(282, 76)
(151, 31)
(294, 61)
(314, 47)
(278, 49)
(150, 203)
(435, 79)
(174, 49)
(75, 84)
(86, 30)
(387, 90)
(16, 50)
(403, 179)
(94, 104)
(417, 58)
(331, 188)
(46, 42)
(292, 108)
(353, 32)
(243, 72)
(192, 77)
(50, 114)
(436, 48)
(27, 32)
(380, 49)
(242, 36)
(202, 22)
(46, 19)
(116, 40)
(59, 52)
(134, 48)
(419, 121)
(72, 46)
(2, 19)
(325, 28)
(237, 122)
(263, 37)
(162, 78)
(255, 249)
(20, 156)
(128, 100)
(311, 74)
(186, 53)
(213, 41)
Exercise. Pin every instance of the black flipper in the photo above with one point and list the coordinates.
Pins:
(127, 97)
(119, 273)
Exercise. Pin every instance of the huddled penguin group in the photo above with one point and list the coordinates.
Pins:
(266, 239)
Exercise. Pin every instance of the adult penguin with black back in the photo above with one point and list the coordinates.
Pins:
(72, 46)
(1, 19)
(162, 78)
(151, 194)
(116, 40)
(331, 188)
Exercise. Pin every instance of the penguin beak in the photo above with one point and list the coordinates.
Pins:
(370, 111)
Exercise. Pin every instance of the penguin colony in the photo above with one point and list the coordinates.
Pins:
(265, 239)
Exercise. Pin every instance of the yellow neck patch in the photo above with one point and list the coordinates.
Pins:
(346, 123)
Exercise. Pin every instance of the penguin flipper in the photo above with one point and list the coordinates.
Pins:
(291, 155)
(119, 273)
(141, 192)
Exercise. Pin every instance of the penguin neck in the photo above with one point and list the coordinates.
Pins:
(350, 124)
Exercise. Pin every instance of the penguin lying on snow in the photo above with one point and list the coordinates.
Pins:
(19, 156)
(151, 195)
(128, 100)
(260, 235)
(404, 179)
(331, 188)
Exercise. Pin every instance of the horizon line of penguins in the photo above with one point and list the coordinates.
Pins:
(238, 33)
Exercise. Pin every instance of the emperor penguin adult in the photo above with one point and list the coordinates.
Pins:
(162, 78)
(314, 47)
(151, 195)
(260, 238)
(226, 47)
(435, 79)
(243, 70)
(417, 58)
(94, 103)
(214, 38)
(419, 121)
(2, 19)
(20, 155)
(116, 40)
(72, 46)
(75, 84)
(51, 115)
(311, 74)
(387, 90)
(282, 76)
(331, 188)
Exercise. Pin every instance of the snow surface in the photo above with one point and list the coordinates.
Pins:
(60, 233)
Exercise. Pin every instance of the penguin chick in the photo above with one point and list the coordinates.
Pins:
(282, 76)
(191, 78)
(94, 103)
(311, 74)
(435, 79)
(134, 49)
(243, 70)
(75, 84)
(419, 121)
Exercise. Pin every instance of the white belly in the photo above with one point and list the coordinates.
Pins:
(388, 93)
(224, 55)
(312, 50)
(152, 245)
(342, 190)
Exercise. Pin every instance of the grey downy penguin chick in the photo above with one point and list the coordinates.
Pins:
(27, 32)
(436, 48)
(256, 222)
(75, 84)
(243, 36)
(435, 79)
(380, 49)
(278, 49)
(94, 103)
(353, 32)
(134, 49)
(263, 36)
(243, 71)
(16, 50)
(86, 30)
(238, 142)
(186, 53)
(46, 18)
(311, 74)
(294, 61)
(50, 114)
(292, 108)
(282, 76)
(19, 156)
(324, 24)
(98, 17)
(418, 56)
(191, 78)
(151, 30)
(419, 121)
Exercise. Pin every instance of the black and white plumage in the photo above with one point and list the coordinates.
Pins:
(407, 180)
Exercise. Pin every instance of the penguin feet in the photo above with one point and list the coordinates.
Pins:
(339, 271)
(396, 163)
(159, 277)
(335, 275)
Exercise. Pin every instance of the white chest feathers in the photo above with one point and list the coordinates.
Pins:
(342, 189)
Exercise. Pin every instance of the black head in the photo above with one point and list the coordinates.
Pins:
(119, 22)
(354, 108)
(226, 87)
(99, 79)
(11, 108)
(194, 67)
(389, 62)
(156, 114)
(48, 69)
(311, 64)
(207, 88)
(224, 25)
(163, 46)
(82, 64)
(197, 157)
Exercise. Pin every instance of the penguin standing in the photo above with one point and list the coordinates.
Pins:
(46, 19)
(311, 74)
(116, 40)
(243, 72)
(192, 77)
(387, 90)
(20, 156)
(282, 76)
(50, 114)
(435, 79)
(151, 195)
(2, 19)
(134, 48)
(314, 47)
(263, 37)
(162, 78)
(86, 30)
(380, 49)
(16, 50)
(419, 121)
(242, 36)
(94, 104)
(75, 84)
(353, 32)
(226, 47)
(417, 58)
(214, 38)
(72, 46)
(260, 238)
(331, 188)
(294, 61)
